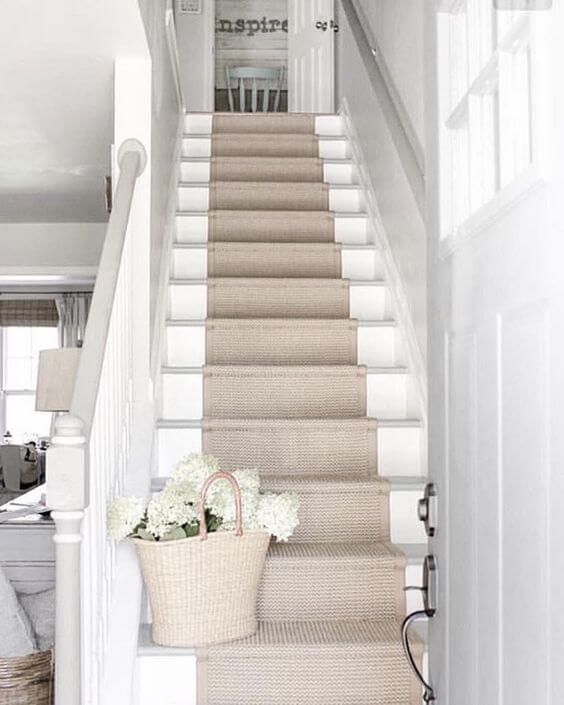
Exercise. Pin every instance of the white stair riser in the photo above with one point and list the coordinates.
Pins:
(356, 264)
(198, 172)
(398, 450)
(325, 125)
(350, 229)
(189, 302)
(201, 147)
(378, 346)
(341, 200)
(388, 395)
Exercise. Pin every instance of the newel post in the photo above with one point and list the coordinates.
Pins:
(66, 496)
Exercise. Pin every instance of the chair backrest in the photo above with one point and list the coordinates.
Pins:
(12, 464)
(241, 74)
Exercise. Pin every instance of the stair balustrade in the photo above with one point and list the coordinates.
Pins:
(99, 450)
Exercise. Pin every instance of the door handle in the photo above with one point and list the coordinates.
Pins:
(429, 591)
(427, 509)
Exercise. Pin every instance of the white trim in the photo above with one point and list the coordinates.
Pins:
(415, 360)
(497, 207)
(161, 308)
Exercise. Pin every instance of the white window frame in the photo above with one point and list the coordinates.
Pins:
(6, 392)
(489, 159)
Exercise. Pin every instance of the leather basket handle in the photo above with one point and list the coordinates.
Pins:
(221, 475)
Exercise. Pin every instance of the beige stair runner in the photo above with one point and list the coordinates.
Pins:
(283, 392)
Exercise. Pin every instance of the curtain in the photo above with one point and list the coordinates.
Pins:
(28, 312)
(73, 315)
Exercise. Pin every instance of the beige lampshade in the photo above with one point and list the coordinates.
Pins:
(55, 379)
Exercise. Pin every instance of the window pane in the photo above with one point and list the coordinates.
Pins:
(21, 352)
(23, 422)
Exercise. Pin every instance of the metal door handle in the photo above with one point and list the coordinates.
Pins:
(428, 589)
(427, 509)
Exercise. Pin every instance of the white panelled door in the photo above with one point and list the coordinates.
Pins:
(311, 56)
(495, 179)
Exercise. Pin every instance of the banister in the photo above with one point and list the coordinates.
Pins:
(100, 422)
(170, 27)
(132, 159)
(403, 136)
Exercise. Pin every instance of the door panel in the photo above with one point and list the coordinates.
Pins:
(496, 413)
(311, 56)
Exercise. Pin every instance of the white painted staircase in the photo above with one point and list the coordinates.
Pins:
(168, 676)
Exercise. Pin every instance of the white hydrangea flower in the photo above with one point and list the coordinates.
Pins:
(192, 471)
(124, 516)
(169, 510)
(278, 513)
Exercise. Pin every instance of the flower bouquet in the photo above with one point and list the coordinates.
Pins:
(202, 542)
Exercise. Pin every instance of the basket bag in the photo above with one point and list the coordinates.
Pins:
(27, 679)
(203, 589)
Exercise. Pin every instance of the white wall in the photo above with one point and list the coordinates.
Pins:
(50, 245)
(397, 26)
(195, 36)
(402, 222)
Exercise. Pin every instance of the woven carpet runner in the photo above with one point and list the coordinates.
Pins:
(283, 392)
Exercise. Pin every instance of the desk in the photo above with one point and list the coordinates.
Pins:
(27, 551)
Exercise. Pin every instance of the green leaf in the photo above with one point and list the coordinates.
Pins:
(144, 534)
(191, 529)
(175, 534)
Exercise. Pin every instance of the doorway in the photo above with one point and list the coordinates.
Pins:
(252, 34)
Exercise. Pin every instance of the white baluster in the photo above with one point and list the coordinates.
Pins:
(66, 495)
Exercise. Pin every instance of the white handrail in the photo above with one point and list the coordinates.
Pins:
(89, 458)
(401, 132)
(174, 55)
(132, 159)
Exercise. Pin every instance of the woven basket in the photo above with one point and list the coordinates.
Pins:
(27, 680)
(203, 590)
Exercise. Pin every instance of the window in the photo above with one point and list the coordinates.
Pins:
(19, 350)
(487, 63)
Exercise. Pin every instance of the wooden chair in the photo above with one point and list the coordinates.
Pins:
(242, 73)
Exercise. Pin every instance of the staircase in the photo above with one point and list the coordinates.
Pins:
(281, 352)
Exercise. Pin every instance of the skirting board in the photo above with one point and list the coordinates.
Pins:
(393, 278)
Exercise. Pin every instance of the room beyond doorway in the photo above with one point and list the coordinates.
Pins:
(252, 34)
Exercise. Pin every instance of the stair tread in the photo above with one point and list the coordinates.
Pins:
(197, 423)
(315, 369)
(279, 281)
(289, 322)
(333, 551)
(317, 634)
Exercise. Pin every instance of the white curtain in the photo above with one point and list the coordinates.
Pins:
(73, 311)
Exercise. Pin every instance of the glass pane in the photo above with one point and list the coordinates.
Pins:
(18, 373)
(21, 353)
(23, 422)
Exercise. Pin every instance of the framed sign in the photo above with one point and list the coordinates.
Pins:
(189, 7)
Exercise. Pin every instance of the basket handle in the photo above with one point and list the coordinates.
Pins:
(220, 475)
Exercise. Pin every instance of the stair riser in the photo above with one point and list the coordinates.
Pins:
(360, 264)
(198, 172)
(399, 451)
(325, 125)
(349, 229)
(388, 396)
(378, 346)
(367, 302)
(201, 148)
(341, 200)
(313, 595)
(411, 575)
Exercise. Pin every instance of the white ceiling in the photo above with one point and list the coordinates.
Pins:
(56, 82)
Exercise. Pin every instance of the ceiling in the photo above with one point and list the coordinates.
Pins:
(56, 121)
